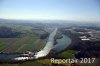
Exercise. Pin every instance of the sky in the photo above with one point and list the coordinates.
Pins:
(79, 10)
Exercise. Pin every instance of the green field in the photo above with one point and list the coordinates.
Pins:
(67, 54)
(29, 40)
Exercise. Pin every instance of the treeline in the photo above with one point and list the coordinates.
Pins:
(87, 49)
(7, 32)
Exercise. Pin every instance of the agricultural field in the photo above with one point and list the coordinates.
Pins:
(67, 54)
(27, 40)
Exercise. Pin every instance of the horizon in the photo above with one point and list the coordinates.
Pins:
(49, 21)
(71, 10)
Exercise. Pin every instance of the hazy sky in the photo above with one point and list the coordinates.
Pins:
(82, 10)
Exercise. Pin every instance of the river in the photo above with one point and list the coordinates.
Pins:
(62, 43)
(50, 45)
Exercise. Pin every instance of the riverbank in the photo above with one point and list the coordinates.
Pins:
(62, 43)
(67, 52)
(30, 56)
(73, 37)
(49, 46)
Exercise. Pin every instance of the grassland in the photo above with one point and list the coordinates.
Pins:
(2, 45)
(39, 62)
(67, 54)
(29, 40)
